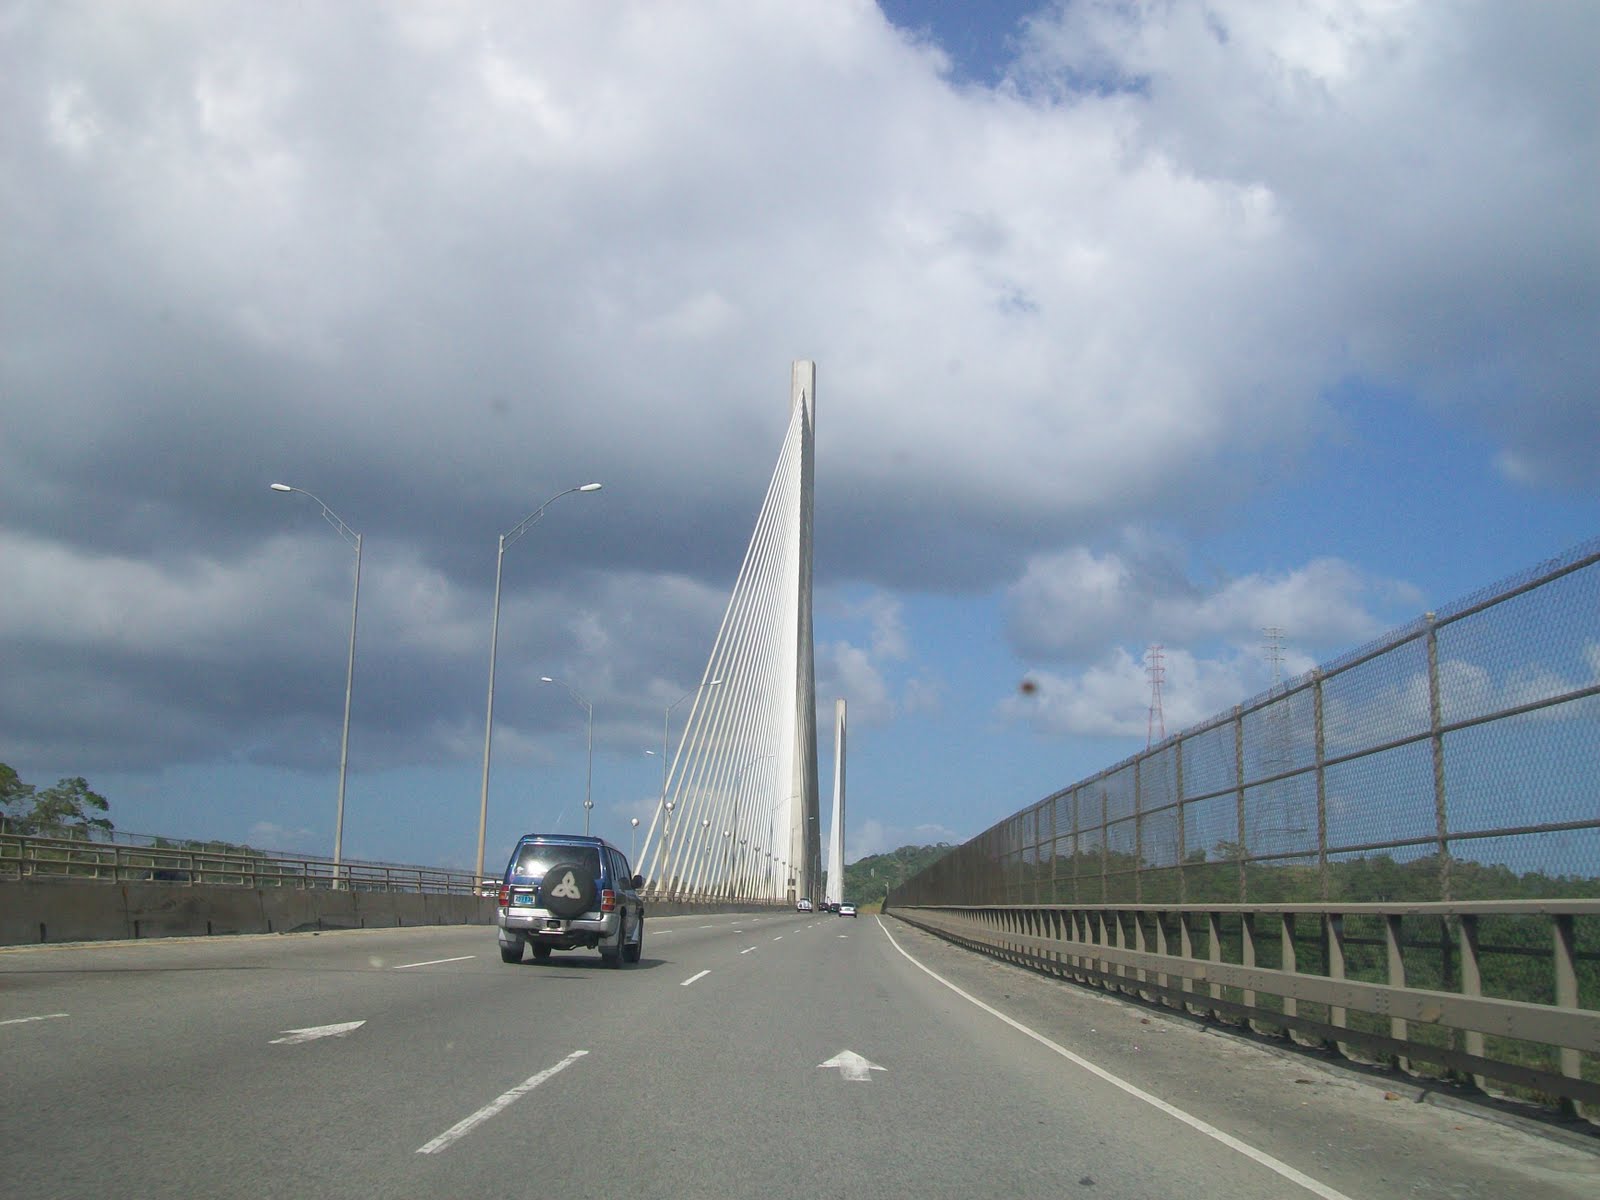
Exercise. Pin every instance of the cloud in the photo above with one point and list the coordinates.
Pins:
(1112, 697)
(1069, 605)
(879, 680)
(439, 263)
(1098, 613)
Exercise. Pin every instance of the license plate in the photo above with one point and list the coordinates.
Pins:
(525, 900)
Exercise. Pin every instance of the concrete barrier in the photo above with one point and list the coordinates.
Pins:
(34, 911)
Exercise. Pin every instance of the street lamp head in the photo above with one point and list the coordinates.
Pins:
(634, 821)
(590, 487)
(281, 487)
(545, 679)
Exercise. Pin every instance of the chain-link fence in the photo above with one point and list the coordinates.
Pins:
(1456, 758)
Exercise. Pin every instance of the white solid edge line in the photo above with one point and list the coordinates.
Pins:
(488, 1110)
(25, 1020)
(692, 978)
(1211, 1131)
(433, 962)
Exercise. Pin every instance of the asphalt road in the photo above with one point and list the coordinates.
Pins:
(781, 1056)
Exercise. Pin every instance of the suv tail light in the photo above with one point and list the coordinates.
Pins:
(505, 895)
(608, 901)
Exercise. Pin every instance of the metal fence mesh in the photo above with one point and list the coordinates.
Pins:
(1455, 758)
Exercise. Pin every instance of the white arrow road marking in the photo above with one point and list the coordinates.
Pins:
(692, 978)
(434, 962)
(296, 1036)
(465, 1126)
(851, 1066)
(25, 1020)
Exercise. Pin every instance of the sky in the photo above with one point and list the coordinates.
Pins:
(1134, 325)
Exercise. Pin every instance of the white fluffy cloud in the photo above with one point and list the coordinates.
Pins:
(1072, 604)
(1097, 615)
(438, 261)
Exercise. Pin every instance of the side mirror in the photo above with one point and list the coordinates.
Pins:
(638, 882)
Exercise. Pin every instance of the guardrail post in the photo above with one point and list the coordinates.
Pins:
(1333, 942)
(1291, 1006)
(1247, 939)
(1564, 948)
(1471, 983)
(1139, 973)
(1214, 936)
(1185, 948)
(1163, 977)
(1392, 934)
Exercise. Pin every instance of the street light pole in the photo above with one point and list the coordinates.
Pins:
(354, 538)
(516, 531)
(588, 803)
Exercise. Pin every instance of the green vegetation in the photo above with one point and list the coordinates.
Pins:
(64, 810)
(867, 880)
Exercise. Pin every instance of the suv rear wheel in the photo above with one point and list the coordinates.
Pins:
(511, 954)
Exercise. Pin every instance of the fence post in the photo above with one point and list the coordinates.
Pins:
(1322, 785)
(1238, 780)
(1183, 833)
(1436, 725)
(1138, 829)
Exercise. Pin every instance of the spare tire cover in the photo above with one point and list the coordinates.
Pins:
(567, 890)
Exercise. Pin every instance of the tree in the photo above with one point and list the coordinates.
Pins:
(68, 806)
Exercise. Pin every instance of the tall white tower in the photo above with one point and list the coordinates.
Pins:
(805, 836)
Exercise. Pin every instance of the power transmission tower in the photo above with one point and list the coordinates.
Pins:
(1155, 668)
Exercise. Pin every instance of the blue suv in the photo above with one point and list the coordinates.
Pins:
(562, 891)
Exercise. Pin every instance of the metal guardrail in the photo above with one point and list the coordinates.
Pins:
(1411, 985)
(26, 856)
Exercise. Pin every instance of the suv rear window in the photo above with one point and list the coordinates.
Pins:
(533, 861)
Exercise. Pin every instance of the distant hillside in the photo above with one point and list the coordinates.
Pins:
(868, 880)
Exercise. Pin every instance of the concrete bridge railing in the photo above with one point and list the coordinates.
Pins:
(1501, 990)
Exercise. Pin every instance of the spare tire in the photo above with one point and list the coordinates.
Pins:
(568, 890)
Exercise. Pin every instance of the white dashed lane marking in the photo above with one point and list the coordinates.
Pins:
(463, 1127)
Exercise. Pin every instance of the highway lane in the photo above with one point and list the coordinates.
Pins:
(697, 1073)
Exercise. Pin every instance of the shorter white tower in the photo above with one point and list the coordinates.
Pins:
(836, 838)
